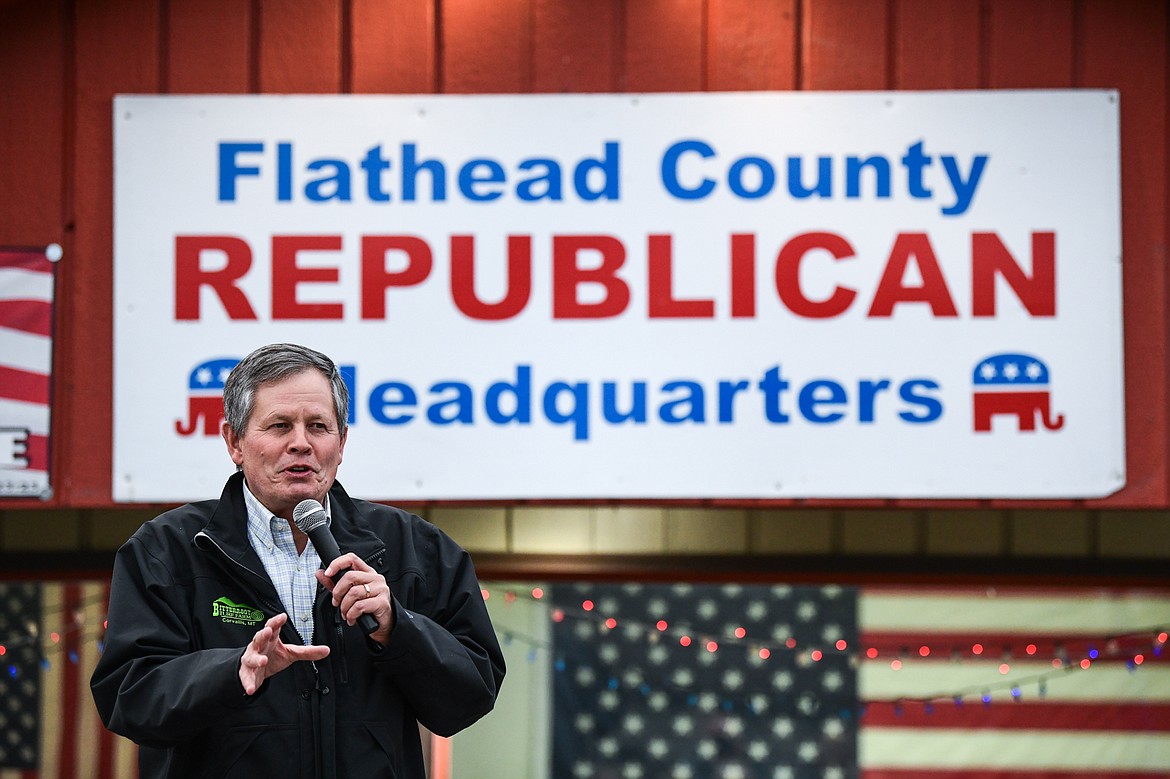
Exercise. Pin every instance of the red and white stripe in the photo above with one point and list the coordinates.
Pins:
(1072, 717)
(26, 358)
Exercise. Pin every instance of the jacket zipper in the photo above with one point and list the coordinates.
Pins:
(343, 661)
(343, 666)
(315, 710)
(316, 720)
(378, 555)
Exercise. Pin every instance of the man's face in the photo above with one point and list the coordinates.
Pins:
(291, 446)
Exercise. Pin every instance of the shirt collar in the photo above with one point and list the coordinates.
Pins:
(262, 523)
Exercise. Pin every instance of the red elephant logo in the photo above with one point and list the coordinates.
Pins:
(1013, 385)
(205, 403)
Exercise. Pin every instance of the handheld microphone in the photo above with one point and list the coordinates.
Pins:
(310, 518)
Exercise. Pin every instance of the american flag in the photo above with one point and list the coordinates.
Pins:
(26, 358)
(777, 682)
(49, 643)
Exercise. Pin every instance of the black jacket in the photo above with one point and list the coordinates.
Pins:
(188, 594)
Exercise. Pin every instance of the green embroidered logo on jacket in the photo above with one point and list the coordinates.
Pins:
(236, 613)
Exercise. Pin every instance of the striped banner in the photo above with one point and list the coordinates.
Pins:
(26, 360)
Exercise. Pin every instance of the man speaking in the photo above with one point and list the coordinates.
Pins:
(232, 652)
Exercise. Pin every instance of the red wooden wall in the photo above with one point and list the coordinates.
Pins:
(61, 62)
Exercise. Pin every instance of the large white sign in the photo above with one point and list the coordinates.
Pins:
(613, 296)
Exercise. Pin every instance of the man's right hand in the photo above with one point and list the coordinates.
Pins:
(266, 655)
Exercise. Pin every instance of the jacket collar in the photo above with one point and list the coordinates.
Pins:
(228, 525)
(350, 528)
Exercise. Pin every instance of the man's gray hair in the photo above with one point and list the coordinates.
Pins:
(273, 363)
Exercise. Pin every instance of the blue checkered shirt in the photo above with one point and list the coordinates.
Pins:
(272, 538)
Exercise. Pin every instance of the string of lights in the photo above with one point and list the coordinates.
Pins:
(1137, 647)
(52, 642)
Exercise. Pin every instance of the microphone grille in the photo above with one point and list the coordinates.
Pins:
(308, 516)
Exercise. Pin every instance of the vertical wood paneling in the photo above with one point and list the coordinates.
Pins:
(300, 46)
(61, 61)
(33, 63)
(1125, 47)
(845, 45)
(751, 45)
(116, 52)
(394, 47)
(1030, 44)
(208, 46)
(577, 46)
(36, 206)
(664, 46)
(486, 47)
(936, 46)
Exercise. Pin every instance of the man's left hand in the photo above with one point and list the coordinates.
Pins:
(362, 590)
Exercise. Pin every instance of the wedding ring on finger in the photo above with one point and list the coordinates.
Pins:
(368, 593)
